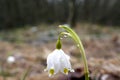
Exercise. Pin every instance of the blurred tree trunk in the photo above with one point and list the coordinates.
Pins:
(115, 13)
(21, 12)
(72, 13)
(94, 11)
(86, 9)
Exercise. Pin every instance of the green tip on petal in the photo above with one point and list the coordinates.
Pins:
(51, 72)
(66, 70)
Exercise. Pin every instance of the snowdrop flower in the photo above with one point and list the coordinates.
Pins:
(58, 61)
(11, 59)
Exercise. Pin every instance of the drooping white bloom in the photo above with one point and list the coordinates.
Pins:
(58, 61)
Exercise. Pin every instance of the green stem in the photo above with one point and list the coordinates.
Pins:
(25, 74)
(76, 38)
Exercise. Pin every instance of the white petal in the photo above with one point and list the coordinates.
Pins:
(58, 61)
(65, 63)
(65, 60)
(50, 61)
(53, 60)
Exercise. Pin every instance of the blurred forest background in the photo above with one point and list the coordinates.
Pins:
(21, 12)
(29, 30)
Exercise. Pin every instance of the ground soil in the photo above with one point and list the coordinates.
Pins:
(31, 46)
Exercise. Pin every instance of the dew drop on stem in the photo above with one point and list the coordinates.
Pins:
(65, 36)
(61, 37)
(78, 45)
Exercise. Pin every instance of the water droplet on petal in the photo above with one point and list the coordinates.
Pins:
(45, 70)
(72, 70)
